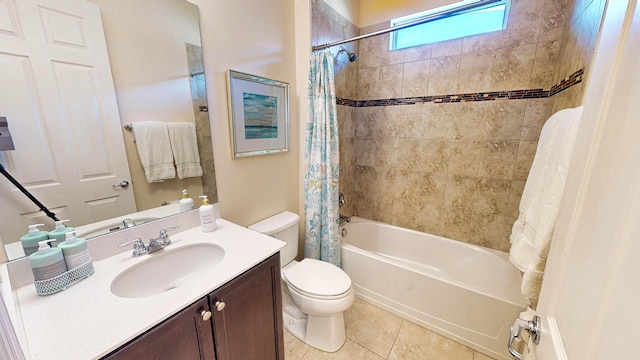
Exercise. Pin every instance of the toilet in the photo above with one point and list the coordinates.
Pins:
(315, 293)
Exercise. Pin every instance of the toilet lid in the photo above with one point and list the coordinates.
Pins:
(318, 278)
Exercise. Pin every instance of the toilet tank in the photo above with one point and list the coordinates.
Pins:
(284, 227)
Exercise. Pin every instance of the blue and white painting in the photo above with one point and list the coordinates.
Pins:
(260, 116)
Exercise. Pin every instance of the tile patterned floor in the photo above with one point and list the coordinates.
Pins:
(375, 334)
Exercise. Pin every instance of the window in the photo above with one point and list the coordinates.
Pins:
(478, 20)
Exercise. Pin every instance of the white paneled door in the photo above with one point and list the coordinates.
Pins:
(590, 300)
(57, 94)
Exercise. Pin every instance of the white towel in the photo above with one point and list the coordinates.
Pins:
(154, 150)
(185, 149)
(532, 232)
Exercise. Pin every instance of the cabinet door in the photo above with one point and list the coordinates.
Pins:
(186, 336)
(248, 315)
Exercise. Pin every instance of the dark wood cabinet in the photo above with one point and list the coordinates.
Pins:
(246, 323)
(186, 335)
(247, 315)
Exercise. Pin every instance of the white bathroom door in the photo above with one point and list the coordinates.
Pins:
(57, 94)
(590, 299)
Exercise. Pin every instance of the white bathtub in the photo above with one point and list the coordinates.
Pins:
(467, 293)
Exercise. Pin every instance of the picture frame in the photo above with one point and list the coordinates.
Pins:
(259, 115)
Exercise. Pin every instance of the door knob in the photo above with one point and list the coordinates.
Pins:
(206, 315)
(219, 305)
(123, 184)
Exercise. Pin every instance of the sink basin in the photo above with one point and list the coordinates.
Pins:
(166, 270)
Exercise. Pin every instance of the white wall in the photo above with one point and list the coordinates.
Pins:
(350, 9)
(255, 37)
(375, 11)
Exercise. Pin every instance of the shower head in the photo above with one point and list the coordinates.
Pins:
(352, 56)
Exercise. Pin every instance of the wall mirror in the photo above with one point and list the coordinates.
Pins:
(155, 63)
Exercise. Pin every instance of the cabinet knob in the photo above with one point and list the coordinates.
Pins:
(206, 315)
(219, 305)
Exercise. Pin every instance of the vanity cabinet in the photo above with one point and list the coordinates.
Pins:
(247, 315)
(245, 323)
(185, 335)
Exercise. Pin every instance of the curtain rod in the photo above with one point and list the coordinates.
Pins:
(436, 16)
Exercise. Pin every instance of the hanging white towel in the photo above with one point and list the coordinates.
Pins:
(185, 149)
(154, 150)
(540, 202)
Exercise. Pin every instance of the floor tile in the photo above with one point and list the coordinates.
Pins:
(372, 327)
(294, 349)
(417, 343)
(349, 351)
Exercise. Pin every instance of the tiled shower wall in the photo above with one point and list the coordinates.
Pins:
(578, 47)
(203, 127)
(454, 169)
(328, 26)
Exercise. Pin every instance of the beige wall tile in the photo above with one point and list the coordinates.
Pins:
(490, 196)
(470, 119)
(430, 155)
(390, 82)
(443, 75)
(526, 153)
(415, 81)
(536, 114)
(446, 48)
(368, 83)
(515, 193)
(476, 71)
(411, 121)
(513, 67)
(506, 120)
(498, 159)
(490, 231)
(464, 157)
(369, 55)
(387, 56)
(544, 64)
(416, 53)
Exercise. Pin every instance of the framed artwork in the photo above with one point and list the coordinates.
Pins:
(259, 109)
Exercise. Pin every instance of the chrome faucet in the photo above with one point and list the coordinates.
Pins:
(155, 244)
(345, 218)
(128, 223)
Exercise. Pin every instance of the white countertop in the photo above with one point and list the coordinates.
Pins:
(86, 321)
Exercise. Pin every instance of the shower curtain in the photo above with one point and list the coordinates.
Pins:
(322, 162)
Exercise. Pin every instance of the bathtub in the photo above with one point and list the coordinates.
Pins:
(467, 293)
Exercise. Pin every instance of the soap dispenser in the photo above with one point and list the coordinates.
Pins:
(74, 250)
(30, 240)
(207, 216)
(47, 262)
(186, 203)
(57, 235)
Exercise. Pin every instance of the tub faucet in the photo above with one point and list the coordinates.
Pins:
(345, 218)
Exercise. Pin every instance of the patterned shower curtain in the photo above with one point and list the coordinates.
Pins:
(322, 163)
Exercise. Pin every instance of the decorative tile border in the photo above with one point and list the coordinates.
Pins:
(566, 83)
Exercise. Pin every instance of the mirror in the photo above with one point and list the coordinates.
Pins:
(156, 63)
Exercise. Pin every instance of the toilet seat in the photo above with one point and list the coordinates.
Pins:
(318, 279)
